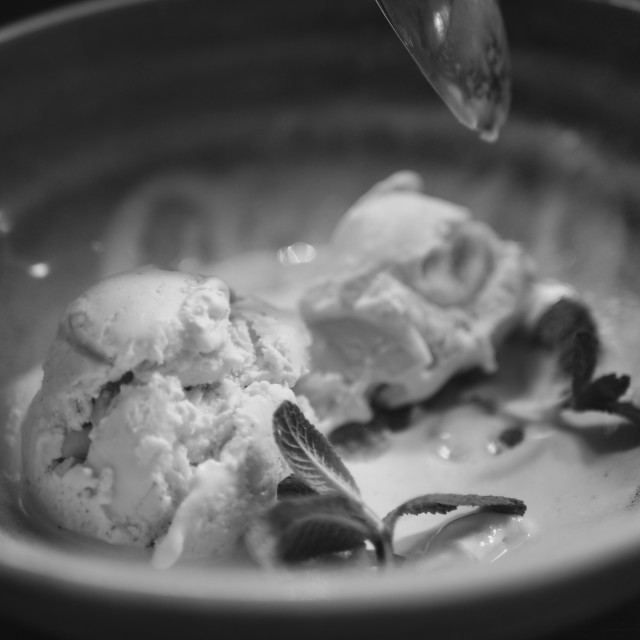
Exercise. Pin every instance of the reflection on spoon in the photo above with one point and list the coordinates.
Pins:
(461, 48)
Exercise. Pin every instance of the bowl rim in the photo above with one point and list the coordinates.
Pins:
(81, 9)
(63, 15)
(590, 557)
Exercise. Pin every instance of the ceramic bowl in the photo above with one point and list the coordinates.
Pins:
(266, 121)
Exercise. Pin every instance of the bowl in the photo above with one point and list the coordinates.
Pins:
(170, 132)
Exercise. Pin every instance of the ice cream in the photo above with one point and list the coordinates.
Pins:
(153, 424)
(418, 291)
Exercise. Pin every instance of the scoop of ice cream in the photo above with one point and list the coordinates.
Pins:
(418, 292)
(153, 424)
(15, 399)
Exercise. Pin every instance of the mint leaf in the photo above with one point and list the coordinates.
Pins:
(557, 328)
(602, 394)
(292, 486)
(626, 410)
(569, 327)
(309, 453)
(317, 465)
(308, 527)
(583, 360)
(441, 503)
(320, 510)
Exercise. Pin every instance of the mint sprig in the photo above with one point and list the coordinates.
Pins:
(441, 503)
(293, 487)
(568, 330)
(556, 330)
(309, 453)
(602, 394)
(317, 525)
(316, 463)
(320, 510)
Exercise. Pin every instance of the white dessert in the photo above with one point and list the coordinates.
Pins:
(153, 424)
(418, 291)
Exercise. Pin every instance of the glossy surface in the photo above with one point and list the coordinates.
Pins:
(462, 49)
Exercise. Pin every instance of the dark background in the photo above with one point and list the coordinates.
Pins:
(11, 11)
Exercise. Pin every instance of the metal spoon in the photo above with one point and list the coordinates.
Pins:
(461, 48)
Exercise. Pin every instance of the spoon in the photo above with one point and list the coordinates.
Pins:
(461, 48)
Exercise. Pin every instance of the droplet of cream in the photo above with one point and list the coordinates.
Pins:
(39, 270)
(297, 253)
